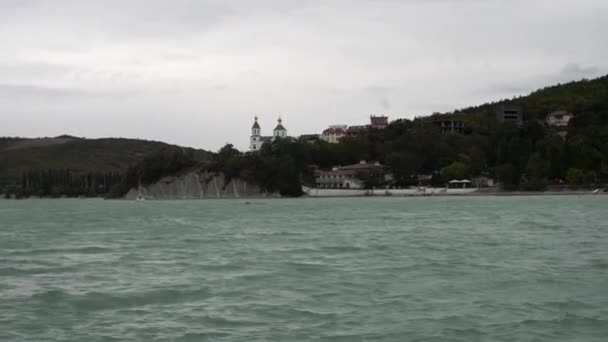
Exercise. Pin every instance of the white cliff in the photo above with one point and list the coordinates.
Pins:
(198, 185)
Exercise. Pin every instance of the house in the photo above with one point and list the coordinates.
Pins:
(513, 114)
(559, 118)
(345, 177)
(355, 130)
(310, 138)
(378, 122)
(334, 133)
(256, 140)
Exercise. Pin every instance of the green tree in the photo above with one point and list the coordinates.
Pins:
(574, 176)
(404, 166)
(508, 176)
(456, 170)
(536, 173)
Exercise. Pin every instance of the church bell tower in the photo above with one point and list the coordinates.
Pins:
(255, 142)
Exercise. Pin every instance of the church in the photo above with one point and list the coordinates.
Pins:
(257, 140)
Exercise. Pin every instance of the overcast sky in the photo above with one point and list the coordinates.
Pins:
(195, 72)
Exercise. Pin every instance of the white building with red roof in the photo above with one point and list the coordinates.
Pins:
(334, 133)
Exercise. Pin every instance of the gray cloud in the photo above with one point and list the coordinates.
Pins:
(195, 72)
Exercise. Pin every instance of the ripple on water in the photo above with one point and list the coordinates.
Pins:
(96, 301)
(26, 271)
(365, 269)
(69, 250)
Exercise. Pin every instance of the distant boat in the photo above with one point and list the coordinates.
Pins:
(596, 191)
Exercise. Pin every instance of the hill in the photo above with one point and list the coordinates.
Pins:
(527, 155)
(25, 160)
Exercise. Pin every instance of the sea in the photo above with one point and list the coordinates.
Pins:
(346, 269)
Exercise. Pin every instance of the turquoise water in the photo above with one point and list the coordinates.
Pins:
(365, 269)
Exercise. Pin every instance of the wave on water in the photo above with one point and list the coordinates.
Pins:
(540, 225)
(203, 336)
(568, 322)
(570, 319)
(599, 264)
(96, 301)
(324, 270)
(72, 250)
(343, 249)
(308, 266)
(17, 271)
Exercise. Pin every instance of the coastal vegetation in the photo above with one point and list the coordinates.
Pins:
(71, 166)
(528, 155)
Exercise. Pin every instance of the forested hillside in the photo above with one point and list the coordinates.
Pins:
(72, 166)
(527, 156)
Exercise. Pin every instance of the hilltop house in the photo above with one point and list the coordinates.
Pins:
(355, 130)
(334, 133)
(309, 138)
(378, 122)
(257, 140)
(559, 118)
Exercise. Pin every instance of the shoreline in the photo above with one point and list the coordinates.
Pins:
(493, 193)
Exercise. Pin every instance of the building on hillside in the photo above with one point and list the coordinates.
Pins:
(559, 118)
(256, 140)
(355, 130)
(334, 133)
(310, 138)
(346, 177)
(512, 114)
(378, 122)
(450, 126)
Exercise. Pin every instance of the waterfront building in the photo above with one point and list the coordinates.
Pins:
(345, 177)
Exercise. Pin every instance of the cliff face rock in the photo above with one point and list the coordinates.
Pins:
(198, 185)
